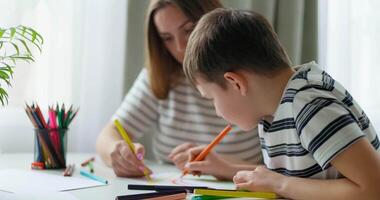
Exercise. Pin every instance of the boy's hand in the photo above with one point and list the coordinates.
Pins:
(213, 165)
(127, 164)
(261, 179)
(181, 154)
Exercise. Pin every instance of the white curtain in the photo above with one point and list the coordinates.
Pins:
(82, 63)
(350, 48)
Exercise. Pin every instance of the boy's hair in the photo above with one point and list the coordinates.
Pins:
(227, 40)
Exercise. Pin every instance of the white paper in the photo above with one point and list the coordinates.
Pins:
(172, 178)
(37, 195)
(31, 181)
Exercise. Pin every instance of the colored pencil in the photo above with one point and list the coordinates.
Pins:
(86, 162)
(164, 187)
(235, 193)
(92, 176)
(128, 140)
(91, 167)
(69, 170)
(201, 156)
(49, 140)
(152, 195)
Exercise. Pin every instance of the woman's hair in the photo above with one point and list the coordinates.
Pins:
(164, 70)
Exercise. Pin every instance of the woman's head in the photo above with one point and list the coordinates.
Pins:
(168, 25)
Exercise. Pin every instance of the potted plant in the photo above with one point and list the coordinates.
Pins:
(15, 45)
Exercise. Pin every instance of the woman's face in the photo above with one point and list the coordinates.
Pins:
(174, 29)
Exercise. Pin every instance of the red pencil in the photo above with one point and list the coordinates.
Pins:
(69, 170)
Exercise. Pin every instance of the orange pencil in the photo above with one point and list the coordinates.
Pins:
(170, 197)
(209, 147)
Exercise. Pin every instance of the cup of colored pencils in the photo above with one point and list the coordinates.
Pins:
(50, 145)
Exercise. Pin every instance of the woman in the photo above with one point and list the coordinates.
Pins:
(162, 100)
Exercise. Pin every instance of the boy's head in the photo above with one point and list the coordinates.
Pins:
(225, 47)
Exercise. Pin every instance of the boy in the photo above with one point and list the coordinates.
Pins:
(317, 143)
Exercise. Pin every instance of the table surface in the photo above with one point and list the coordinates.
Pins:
(117, 186)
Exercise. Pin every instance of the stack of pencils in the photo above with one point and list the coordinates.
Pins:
(50, 138)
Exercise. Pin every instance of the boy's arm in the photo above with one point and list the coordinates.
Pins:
(359, 163)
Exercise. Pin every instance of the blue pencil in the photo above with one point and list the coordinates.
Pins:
(92, 176)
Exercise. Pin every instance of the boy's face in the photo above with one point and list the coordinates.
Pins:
(231, 103)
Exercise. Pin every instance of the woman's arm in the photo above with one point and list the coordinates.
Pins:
(117, 154)
(107, 141)
(359, 163)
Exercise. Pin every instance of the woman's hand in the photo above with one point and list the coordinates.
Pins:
(261, 179)
(213, 165)
(180, 155)
(127, 164)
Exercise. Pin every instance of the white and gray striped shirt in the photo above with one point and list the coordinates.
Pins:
(316, 120)
(185, 116)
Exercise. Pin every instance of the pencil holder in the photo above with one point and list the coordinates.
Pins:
(50, 148)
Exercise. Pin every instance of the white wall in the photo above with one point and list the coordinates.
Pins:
(82, 63)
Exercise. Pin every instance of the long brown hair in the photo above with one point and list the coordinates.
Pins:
(163, 69)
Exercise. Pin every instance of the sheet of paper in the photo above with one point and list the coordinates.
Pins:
(172, 178)
(37, 195)
(14, 180)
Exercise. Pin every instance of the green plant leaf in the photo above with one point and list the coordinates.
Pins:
(26, 58)
(34, 35)
(19, 38)
(30, 32)
(25, 45)
(16, 47)
(13, 32)
(5, 77)
(3, 96)
(2, 31)
(39, 38)
(7, 68)
(23, 29)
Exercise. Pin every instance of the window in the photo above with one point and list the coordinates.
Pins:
(349, 43)
(82, 63)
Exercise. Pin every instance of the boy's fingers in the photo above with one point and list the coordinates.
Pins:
(197, 166)
(236, 179)
(244, 186)
(240, 177)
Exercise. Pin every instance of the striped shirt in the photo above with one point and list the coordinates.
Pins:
(185, 116)
(316, 120)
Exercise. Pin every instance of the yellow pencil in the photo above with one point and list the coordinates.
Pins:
(235, 193)
(128, 140)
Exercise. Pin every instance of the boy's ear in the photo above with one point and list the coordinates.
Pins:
(237, 81)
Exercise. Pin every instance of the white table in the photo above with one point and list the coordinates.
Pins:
(117, 186)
